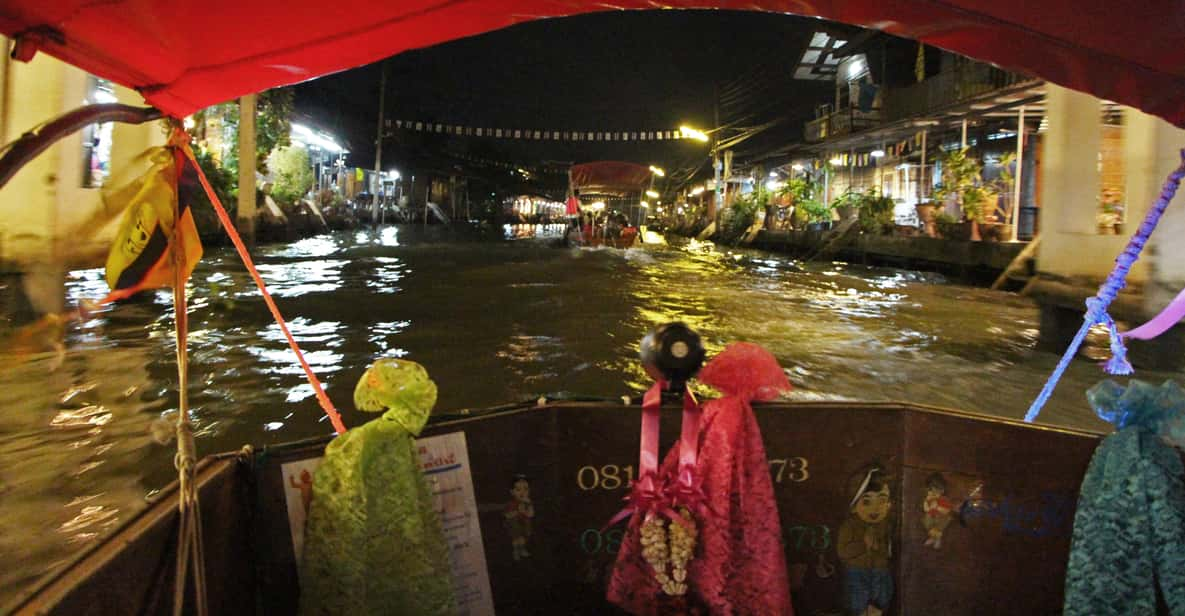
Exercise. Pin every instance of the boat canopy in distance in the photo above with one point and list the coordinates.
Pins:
(184, 55)
(609, 178)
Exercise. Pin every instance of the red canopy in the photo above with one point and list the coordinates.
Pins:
(609, 177)
(188, 54)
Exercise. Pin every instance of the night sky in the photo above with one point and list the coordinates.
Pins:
(630, 70)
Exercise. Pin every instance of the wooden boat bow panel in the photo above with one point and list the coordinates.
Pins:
(1011, 489)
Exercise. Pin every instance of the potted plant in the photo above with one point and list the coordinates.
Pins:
(962, 181)
(741, 215)
(991, 225)
(1107, 221)
(847, 204)
(795, 193)
(1111, 214)
(951, 228)
(818, 214)
(926, 210)
(876, 212)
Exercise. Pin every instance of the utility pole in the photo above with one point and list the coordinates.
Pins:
(245, 219)
(718, 201)
(378, 147)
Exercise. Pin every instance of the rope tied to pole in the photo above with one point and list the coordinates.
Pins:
(189, 547)
(1096, 306)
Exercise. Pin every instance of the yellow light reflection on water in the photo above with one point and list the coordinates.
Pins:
(650, 237)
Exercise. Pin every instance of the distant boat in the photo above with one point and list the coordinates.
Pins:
(598, 183)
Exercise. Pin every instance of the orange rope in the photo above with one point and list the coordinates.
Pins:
(334, 417)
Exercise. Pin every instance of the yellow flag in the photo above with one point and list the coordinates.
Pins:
(156, 203)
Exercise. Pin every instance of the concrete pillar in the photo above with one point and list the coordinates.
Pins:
(246, 215)
(1152, 151)
(5, 90)
(1071, 246)
(1074, 258)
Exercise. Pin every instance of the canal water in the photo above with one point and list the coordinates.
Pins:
(494, 321)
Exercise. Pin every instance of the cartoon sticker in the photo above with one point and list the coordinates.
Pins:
(864, 545)
(937, 508)
(298, 495)
(519, 514)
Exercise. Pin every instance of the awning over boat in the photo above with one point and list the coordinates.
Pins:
(609, 178)
(184, 55)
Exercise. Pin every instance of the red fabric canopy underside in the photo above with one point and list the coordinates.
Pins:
(609, 177)
(185, 55)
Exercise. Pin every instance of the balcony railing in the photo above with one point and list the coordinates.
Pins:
(948, 88)
(841, 122)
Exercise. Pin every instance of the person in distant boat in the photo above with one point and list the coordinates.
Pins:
(613, 226)
(628, 231)
(587, 227)
(864, 544)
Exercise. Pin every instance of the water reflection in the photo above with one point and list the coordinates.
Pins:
(296, 278)
(493, 322)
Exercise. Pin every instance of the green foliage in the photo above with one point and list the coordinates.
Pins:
(1004, 183)
(850, 198)
(875, 211)
(962, 179)
(804, 196)
(978, 203)
(225, 185)
(293, 174)
(273, 113)
(273, 124)
(742, 213)
(800, 189)
(816, 210)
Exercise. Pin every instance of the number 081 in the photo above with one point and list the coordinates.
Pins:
(607, 477)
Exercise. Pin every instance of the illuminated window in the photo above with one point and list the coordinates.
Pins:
(1111, 212)
(96, 138)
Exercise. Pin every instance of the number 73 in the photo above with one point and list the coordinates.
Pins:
(798, 469)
